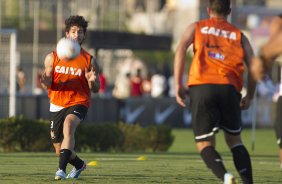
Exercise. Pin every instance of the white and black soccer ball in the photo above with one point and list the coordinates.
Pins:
(67, 49)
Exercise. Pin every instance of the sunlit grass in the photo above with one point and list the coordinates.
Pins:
(181, 164)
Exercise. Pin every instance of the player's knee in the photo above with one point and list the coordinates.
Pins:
(68, 125)
(69, 128)
(203, 144)
(232, 140)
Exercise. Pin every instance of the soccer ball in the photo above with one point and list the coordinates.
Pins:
(67, 49)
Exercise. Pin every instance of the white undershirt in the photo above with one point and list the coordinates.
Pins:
(55, 108)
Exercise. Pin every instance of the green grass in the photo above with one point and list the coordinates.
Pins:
(181, 164)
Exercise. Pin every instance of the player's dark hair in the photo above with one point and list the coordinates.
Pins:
(220, 7)
(76, 20)
(280, 15)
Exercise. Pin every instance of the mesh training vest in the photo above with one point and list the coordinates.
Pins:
(218, 54)
(69, 86)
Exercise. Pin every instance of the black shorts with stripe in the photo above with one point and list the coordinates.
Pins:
(57, 120)
(215, 106)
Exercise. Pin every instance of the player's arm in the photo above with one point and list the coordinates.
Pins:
(179, 63)
(46, 77)
(263, 63)
(271, 50)
(273, 47)
(248, 55)
(92, 76)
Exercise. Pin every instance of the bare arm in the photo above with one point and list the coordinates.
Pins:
(248, 55)
(46, 77)
(179, 63)
(269, 51)
(272, 49)
(92, 76)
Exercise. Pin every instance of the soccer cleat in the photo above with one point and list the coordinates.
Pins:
(60, 175)
(74, 173)
(229, 179)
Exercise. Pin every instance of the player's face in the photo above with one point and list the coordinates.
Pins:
(76, 33)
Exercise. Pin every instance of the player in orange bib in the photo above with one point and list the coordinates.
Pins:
(69, 83)
(262, 65)
(215, 80)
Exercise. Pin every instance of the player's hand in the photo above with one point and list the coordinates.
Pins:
(45, 80)
(245, 102)
(90, 75)
(181, 95)
(257, 69)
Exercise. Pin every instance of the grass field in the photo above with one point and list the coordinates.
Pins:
(181, 164)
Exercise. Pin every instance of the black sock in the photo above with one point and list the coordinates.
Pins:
(242, 163)
(77, 162)
(64, 158)
(213, 161)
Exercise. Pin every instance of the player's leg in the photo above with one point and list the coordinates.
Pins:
(241, 157)
(56, 132)
(232, 125)
(57, 147)
(67, 147)
(211, 157)
(278, 128)
(205, 117)
(79, 166)
(280, 156)
(76, 115)
(60, 174)
(278, 133)
(71, 157)
(75, 160)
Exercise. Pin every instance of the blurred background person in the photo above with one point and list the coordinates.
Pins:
(21, 80)
(158, 83)
(171, 92)
(103, 83)
(122, 86)
(136, 84)
(39, 88)
(121, 92)
(146, 85)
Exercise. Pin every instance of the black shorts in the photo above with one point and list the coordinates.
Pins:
(278, 122)
(213, 107)
(58, 118)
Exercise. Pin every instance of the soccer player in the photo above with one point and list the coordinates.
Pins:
(215, 81)
(69, 83)
(262, 65)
